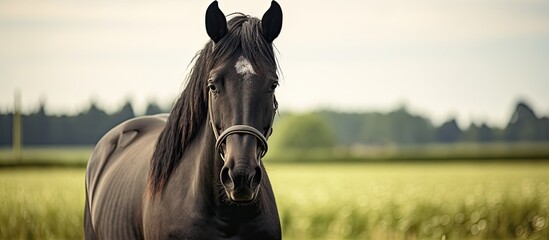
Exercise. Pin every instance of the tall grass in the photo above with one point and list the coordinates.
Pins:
(329, 201)
(41, 203)
(452, 201)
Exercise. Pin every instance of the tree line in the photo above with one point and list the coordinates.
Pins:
(317, 129)
(85, 128)
(325, 129)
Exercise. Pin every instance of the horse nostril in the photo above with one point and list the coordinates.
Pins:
(257, 176)
(226, 179)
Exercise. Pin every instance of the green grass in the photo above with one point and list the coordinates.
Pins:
(379, 201)
(435, 152)
(41, 203)
(72, 156)
(77, 156)
(329, 201)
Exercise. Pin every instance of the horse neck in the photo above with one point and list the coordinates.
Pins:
(202, 165)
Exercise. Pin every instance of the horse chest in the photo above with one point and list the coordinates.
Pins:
(193, 226)
(213, 229)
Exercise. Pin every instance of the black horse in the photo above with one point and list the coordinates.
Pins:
(197, 173)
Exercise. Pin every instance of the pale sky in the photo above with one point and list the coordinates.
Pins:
(469, 59)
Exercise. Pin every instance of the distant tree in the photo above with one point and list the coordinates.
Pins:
(302, 132)
(152, 109)
(448, 132)
(485, 134)
(544, 128)
(94, 111)
(36, 127)
(406, 128)
(6, 128)
(397, 127)
(85, 128)
(348, 127)
(523, 125)
(376, 129)
(470, 134)
(125, 113)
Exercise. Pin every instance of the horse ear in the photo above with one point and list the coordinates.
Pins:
(272, 22)
(216, 23)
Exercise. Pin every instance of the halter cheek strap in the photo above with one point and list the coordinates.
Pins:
(236, 129)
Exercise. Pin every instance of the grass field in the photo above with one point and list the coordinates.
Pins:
(77, 156)
(41, 203)
(507, 200)
(71, 156)
(384, 201)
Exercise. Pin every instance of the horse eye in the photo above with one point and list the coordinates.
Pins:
(212, 87)
(273, 87)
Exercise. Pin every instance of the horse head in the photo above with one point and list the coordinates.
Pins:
(241, 84)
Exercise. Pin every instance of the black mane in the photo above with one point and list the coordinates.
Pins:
(190, 109)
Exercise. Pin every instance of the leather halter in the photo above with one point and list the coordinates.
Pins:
(236, 129)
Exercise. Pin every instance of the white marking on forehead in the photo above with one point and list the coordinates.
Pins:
(244, 67)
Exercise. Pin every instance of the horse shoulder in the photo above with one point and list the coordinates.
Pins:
(116, 141)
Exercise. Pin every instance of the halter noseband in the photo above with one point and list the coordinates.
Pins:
(236, 129)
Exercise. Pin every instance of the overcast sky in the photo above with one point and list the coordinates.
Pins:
(469, 59)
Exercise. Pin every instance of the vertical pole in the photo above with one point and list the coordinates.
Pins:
(16, 145)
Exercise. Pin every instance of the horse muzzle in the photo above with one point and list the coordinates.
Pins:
(241, 184)
(241, 172)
